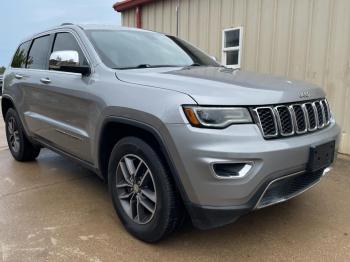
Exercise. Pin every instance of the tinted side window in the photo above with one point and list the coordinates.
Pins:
(38, 54)
(19, 60)
(67, 42)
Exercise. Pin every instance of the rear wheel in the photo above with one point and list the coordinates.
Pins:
(20, 147)
(143, 193)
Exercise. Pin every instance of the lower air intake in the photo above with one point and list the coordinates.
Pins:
(286, 188)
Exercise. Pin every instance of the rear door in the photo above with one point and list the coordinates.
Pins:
(29, 83)
(17, 76)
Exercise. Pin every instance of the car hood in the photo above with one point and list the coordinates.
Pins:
(223, 86)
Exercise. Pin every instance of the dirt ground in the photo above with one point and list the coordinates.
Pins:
(54, 210)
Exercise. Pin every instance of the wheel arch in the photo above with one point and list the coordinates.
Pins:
(6, 104)
(115, 128)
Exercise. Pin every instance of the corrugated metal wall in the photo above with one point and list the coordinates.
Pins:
(301, 39)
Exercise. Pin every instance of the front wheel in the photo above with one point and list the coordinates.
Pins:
(20, 147)
(143, 193)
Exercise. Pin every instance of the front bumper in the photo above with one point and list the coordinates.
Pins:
(270, 193)
(197, 149)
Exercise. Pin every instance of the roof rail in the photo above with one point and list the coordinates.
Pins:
(66, 24)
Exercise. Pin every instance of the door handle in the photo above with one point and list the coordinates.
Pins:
(17, 76)
(45, 80)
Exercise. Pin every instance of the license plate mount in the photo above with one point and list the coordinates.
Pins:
(321, 156)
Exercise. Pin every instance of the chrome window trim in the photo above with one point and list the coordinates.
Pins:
(259, 121)
(53, 32)
(45, 71)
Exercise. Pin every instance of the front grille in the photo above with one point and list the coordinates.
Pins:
(294, 119)
(286, 188)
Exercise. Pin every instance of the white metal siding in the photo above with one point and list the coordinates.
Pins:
(301, 39)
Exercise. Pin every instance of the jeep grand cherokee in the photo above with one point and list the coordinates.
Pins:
(170, 130)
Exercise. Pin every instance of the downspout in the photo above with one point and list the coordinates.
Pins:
(138, 16)
(177, 17)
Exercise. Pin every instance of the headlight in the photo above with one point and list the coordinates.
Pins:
(216, 117)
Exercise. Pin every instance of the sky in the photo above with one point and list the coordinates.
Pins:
(21, 18)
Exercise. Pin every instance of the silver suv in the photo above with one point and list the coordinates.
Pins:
(173, 133)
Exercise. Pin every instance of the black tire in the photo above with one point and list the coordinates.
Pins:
(169, 212)
(24, 151)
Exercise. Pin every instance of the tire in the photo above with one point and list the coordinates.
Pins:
(21, 149)
(162, 197)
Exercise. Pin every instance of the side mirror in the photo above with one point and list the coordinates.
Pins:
(67, 61)
(214, 58)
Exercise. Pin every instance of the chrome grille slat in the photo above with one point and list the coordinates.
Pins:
(323, 114)
(300, 119)
(284, 120)
(319, 114)
(268, 128)
(289, 120)
(312, 118)
(326, 111)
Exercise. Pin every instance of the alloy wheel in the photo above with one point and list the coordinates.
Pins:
(136, 189)
(13, 132)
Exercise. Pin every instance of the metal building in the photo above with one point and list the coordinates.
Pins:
(301, 39)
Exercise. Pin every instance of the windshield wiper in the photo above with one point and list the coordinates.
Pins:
(145, 66)
(192, 65)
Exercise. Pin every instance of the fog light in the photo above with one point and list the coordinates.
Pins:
(231, 170)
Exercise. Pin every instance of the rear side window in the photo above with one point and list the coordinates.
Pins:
(20, 58)
(38, 54)
(67, 42)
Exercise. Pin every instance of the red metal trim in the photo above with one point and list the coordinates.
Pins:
(127, 4)
(138, 11)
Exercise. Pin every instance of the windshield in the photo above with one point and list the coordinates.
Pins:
(127, 49)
